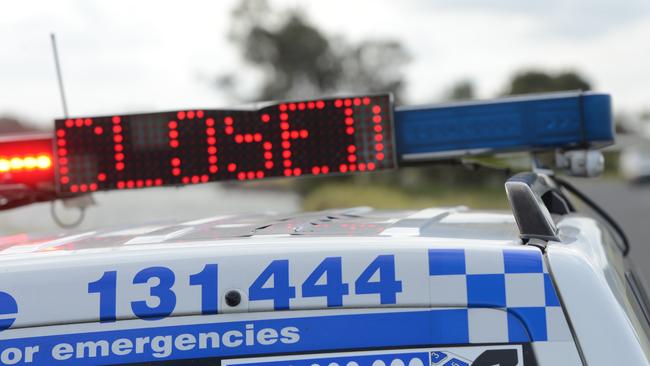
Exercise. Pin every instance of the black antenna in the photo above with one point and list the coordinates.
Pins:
(58, 74)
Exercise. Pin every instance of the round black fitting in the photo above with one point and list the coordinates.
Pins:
(233, 298)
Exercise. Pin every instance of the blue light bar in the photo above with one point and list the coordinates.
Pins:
(534, 122)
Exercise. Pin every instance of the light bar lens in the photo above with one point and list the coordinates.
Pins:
(25, 163)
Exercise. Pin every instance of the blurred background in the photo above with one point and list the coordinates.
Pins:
(145, 56)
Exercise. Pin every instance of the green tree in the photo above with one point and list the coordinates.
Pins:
(298, 60)
(534, 81)
(462, 90)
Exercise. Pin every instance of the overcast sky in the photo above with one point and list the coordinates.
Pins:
(124, 56)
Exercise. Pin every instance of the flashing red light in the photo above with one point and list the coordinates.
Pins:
(27, 159)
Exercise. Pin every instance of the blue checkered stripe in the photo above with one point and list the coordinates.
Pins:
(508, 293)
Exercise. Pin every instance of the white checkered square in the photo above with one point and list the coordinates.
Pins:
(484, 261)
(525, 290)
(448, 290)
(487, 325)
(556, 326)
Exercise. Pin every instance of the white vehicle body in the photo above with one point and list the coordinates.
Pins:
(352, 287)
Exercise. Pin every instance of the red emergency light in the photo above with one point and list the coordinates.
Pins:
(27, 159)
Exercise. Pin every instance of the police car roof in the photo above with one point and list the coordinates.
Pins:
(449, 224)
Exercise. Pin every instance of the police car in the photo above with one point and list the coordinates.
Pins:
(449, 286)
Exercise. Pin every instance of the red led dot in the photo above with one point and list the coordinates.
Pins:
(371, 166)
(320, 104)
(268, 155)
(352, 158)
(158, 182)
(63, 170)
(195, 179)
(366, 101)
(210, 131)
(172, 125)
(352, 149)
(250, 175)
(349, 121)
(357, 101)
(348, 111)
(286, 144)
(101, 177)
(362, 166)
(119, 156)
(304, 134)
(268, 165)
(248, 137)
(315, 170)
(119, 166)
(229, 130)
(116, 119)
(259, 174)
(60, 133)
(120, 185)
(287, 172)
(287, 163)
(376, 109)
(190, 114)
(118, 147)
(214, 169)
(239, 139)
(292, 106)
(173, 134)
(343, 168)
(199, 114)
(117, 138)
(376, 119)
(228, 121)
(99, 130)
(232, 167)
(173, 143)
(211, 140)
(209, 122)
(349, 130)
(88, 122)
(284, 125)
(69, 123)
(266, 118)
(63, 152)
(284, 116)
(325, 169)
(212, 150)
(64, 180)
(83, 188)
(116, 128)
(148, 182)
(257, 137)
(176, 162)
(353, 167)
(139, 183)
(212, 159)
(301, 106)
(378, 128)
(176, 171)
(204, 178)
(286, 154)
(294, 134)
(285, 135)
(74, 188)
(61, 143)
(79, 122)
(186, 180)
(282, 107)
(311, 105)
(348, 102)
(241, 175)
(380, 156)
(338, 103)
(63, 161)
(297, 172)
(379, 147)
(379, 137)
(180, 115)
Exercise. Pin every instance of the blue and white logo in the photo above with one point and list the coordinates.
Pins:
(8, 310)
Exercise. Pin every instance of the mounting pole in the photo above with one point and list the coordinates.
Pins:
(58, 74)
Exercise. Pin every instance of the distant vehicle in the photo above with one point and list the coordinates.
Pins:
(635, 163)
(540, 285)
